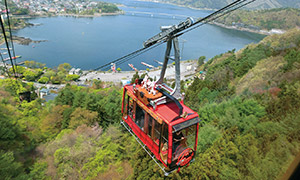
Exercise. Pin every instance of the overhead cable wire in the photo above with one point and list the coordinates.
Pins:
(211, 20)
(4, 65)
(9, 28)
(201, 21)
(169, 33)
(7, 45)
(229, 6)
(217, 14)
(128, 56)
(114, 61)
(148, 49)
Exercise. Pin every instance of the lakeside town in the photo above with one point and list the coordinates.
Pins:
(55, 7)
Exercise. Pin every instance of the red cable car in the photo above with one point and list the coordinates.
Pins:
(156, 115)
(169, 130)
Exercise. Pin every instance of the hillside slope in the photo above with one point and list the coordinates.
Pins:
(281, 18)
(249, 106)
(273, 61)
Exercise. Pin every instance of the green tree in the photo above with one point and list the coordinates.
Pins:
(8, 131)
(29, 75)
(65, 96)
(18, 69)
(65, 67)
(81, 116)
(33, 64)
(72, 77)
(9, 168)
(52, 124)
(38, 171)
(201, 60)
(43, 80)
(291, 57)
(49, 73)
(134, 77)
(79, 99)
(208, 134)
(110, 107)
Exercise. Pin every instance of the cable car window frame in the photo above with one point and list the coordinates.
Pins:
(189, 135)
(139, 118)
(150, 126)
(154, 133)
(164, 140)
(130, 110)
(183, 125)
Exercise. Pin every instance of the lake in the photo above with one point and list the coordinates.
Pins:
(88, 43)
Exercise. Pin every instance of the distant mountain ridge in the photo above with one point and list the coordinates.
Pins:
(268, 19)
(216, 4)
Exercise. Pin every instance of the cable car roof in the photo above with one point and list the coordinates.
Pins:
(167, 112)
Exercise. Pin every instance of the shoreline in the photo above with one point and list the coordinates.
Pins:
(190, 7)
(27, 41)
(262, 32)
(71, 15)
(91, 16)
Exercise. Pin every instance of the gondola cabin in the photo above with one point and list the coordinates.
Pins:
(162, 123)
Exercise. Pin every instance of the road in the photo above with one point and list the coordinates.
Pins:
(187, 69)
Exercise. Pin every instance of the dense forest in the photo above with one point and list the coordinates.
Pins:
(217, 4)
(282, 18)
(248, 105)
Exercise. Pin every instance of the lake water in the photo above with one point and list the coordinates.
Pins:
(88, 43)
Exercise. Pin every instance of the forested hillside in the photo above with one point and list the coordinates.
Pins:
(217, 4)
(282, 18)
(249, 106)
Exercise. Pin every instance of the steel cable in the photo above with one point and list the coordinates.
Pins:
(200, 22)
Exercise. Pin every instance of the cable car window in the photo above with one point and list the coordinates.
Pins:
(178, 143)
(130, 106)
(146, 124)
(164, 144)
(150, 125)
(140, 117)
(185, 124)
(183, 139)
(125, 105)
(154, 129)
(190, 135)
(157, 129)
